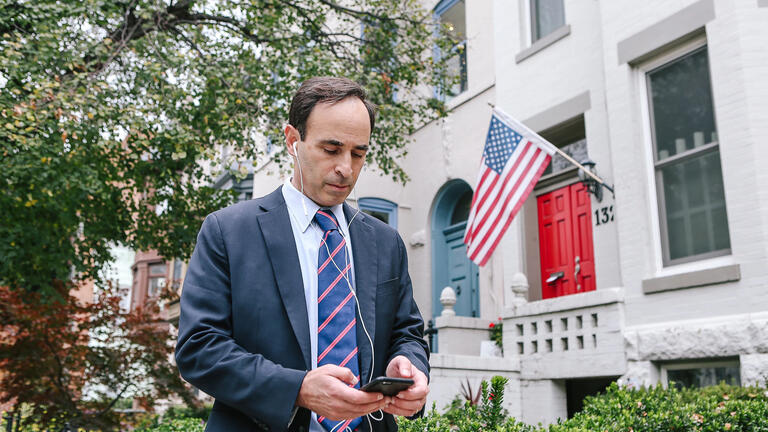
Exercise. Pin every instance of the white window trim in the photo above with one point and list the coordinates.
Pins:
(526, 30)
(530, 47)
(530, 18)
(665, 367)
(438, 93)
(381, 205)
(641, 71)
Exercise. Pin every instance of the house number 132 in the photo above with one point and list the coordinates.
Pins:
(603, 215)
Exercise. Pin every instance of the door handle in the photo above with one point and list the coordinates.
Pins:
(458, 289)
(555, 276)
(577, 269)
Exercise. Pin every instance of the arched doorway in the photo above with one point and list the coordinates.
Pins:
(450, 265)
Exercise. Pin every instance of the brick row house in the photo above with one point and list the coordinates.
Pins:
(663, 280)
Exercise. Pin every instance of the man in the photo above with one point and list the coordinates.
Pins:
(294, 300)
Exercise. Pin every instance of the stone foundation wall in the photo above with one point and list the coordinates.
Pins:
(740, 336)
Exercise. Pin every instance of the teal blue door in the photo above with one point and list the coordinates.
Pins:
(450, 265)
(462, 274)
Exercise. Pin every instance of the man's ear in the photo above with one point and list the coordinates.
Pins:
(292, 137)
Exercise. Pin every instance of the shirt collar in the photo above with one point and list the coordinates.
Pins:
(295, 200)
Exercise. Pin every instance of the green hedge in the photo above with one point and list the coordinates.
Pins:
(188, 424)
(718, 408)
(712, 409)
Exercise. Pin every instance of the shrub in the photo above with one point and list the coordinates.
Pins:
(185, 411)
(496, 333)
(178, 424)
(174, 418)
(718, 408)
(464, 416)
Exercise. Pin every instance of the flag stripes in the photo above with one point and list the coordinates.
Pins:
(513, 160)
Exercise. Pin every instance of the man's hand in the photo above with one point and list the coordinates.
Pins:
(326, 391)
(407, 402)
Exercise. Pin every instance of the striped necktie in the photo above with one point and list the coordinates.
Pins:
(336, 337)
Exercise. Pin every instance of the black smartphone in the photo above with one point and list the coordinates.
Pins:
(388, 386)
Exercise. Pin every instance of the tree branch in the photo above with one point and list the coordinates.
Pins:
(359, 13)
(114, 401)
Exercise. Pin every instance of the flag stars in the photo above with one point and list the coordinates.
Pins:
(500, 144)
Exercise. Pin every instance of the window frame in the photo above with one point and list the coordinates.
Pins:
(177, 270)
(440, 92)
(162, 278)
(664, 368)
(534, 25)
(381, 205)
(657, 188)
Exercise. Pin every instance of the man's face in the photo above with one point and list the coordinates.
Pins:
(333, 151)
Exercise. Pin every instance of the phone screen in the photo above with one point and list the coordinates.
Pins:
(388, 386)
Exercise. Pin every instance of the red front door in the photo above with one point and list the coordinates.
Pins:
(565, 241)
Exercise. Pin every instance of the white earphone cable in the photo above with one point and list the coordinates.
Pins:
(369, 416)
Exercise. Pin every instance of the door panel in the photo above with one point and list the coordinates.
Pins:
(555, 240)
(565, 241)
(582, 239)
(460, 271)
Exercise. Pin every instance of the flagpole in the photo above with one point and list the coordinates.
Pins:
(566, 156)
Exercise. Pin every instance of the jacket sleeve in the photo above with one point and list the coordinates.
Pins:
(208, 356)
(408, 328)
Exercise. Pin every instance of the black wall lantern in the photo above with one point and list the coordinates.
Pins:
(594, 186)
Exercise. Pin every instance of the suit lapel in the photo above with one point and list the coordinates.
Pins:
(365, 255)
(281, 248)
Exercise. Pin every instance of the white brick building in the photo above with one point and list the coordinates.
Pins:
(670, 99)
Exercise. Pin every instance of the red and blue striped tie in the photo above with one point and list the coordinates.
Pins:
(336, 337)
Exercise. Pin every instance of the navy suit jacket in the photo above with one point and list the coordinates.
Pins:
(243, 328)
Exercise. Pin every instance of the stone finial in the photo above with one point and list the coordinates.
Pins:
(418, 239)
(519, 290)
(448, 300)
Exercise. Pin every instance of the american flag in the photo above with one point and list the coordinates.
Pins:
(513, 160)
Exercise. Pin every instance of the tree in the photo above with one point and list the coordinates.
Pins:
(71, 362)
(111, 116)
(111, 111)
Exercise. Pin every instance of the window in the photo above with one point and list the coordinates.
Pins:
(176, 281)
(156, 279)
(452, 15)
(701, 374)
(462, 209)
(689, 180)
(381, 209)
(243, 187)
(546, 17)
(570, 137)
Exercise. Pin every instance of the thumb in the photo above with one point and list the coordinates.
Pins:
(406, 369)
(342, 373)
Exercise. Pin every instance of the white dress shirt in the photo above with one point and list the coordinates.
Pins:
(308, 236)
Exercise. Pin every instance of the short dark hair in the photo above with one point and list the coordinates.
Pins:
(324, 90)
